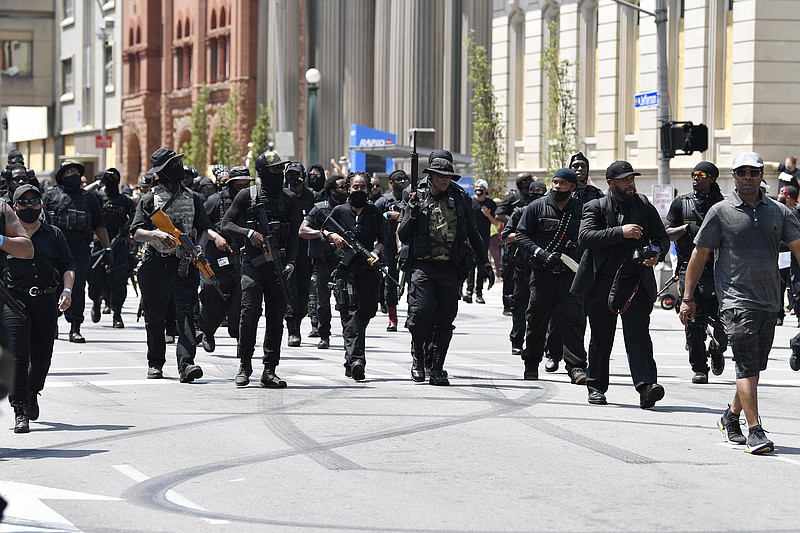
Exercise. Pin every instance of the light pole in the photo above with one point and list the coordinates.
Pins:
(103, 35)
(312, 135)
(10, 72)
(662, 77)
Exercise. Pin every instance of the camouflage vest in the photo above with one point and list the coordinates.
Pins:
(181, 212)
(442, 224)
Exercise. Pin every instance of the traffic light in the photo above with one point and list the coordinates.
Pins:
(684, 138)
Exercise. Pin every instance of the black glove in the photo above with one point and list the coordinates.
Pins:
(547, 259)
(489, 275)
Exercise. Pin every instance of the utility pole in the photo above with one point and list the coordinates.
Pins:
(103, 35)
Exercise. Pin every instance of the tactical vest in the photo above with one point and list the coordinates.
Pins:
(456, 202)
(181, 212)
(70, 212)
(276, 222)
(115, 212)
(319, 247)
(442, 224)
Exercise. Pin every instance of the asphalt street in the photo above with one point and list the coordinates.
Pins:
(113, 451)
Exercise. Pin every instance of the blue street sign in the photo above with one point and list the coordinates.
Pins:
(646, 100)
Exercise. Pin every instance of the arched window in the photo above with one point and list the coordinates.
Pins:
(222, 17)
(213, 19)
(180, 29)
(130, 37)
(186, 30)
(138, 34)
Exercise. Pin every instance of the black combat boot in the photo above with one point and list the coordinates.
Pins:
(438, 374)
(75, 333)
(417, 365)
(242, 378)
(270, 380)
(22, 423)
(294, 333)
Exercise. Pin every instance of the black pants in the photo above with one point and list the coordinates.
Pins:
(356, 316)
(432, 305)
(324, 267)
(521, 297)
(299, 286)
(707, 315)
(635, 329)
(548, 293)
(214, 308)
(31, 342)
(475, 279)
(158, 280)
(261, 284)
(113, 283)
(508, 268)
(82, 255)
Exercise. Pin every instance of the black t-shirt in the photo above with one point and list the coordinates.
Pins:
(690, 208)
(51, 258)
(483, 223)
(387, 203)
(367, 227)
(117, 211)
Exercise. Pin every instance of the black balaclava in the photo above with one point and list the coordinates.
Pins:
(110, 181)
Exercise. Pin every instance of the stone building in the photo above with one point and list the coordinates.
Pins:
(732, 67)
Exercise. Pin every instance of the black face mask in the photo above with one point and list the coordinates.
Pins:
(358, 198)
(172, 174)
(29, 215)
(560, 196)
(71, 183)
(112, 187)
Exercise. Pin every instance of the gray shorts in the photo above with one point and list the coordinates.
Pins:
(750, 333)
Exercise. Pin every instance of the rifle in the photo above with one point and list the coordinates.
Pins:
(101, 252)
(358, 248)
(414, 162)
(670, 282)
(165, 224)
(271, 252)
(9, 300)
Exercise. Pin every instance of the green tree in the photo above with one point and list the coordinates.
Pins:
(561, 136)
(487, 133)
(261, 134)
(224, 140)
(196, 150)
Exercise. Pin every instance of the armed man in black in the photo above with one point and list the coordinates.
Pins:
(112, 283)
(623, 238)
(516, 198)
(585, 192)
(390, 205)
(356, 280)
(684, 218)
(438, 226)
(323, 254)
(77, 214)
(548, 231)
(214, 307)
(300, 282)
(166, 269)
(272, 219)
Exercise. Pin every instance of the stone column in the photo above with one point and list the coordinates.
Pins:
(329, 52)
(358, 80)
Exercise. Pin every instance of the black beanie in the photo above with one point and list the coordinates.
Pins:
(579, 157)
(707, 167)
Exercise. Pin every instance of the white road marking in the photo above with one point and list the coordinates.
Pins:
(27, 513)
(174, 497)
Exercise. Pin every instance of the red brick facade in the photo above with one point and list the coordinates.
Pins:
(211, 42)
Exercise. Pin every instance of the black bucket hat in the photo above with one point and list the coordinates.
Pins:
(69, 164)
(161, 158)
(443, 167)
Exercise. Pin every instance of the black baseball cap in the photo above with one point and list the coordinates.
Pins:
(620, 169)
(22, 189)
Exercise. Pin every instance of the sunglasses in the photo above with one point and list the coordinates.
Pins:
(25, 202)
(699, 175)
(752, 172)
(375, 186)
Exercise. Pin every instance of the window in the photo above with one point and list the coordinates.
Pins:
(67, 81)
(17, 54)
(69, 9)
(108, 65)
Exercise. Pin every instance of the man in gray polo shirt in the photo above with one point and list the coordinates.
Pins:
(746, 231)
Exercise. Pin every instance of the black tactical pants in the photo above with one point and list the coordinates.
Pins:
(31, 342)
(214, 308)
(389, 286)
(433, 305)
(158, 280)
(112, 283)
(82, 255)
(635, 329)
(324, 267)
(550, 292)
(521, 297)
(260, 284)
(363, 305)
(299, 286)
(707, 316)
